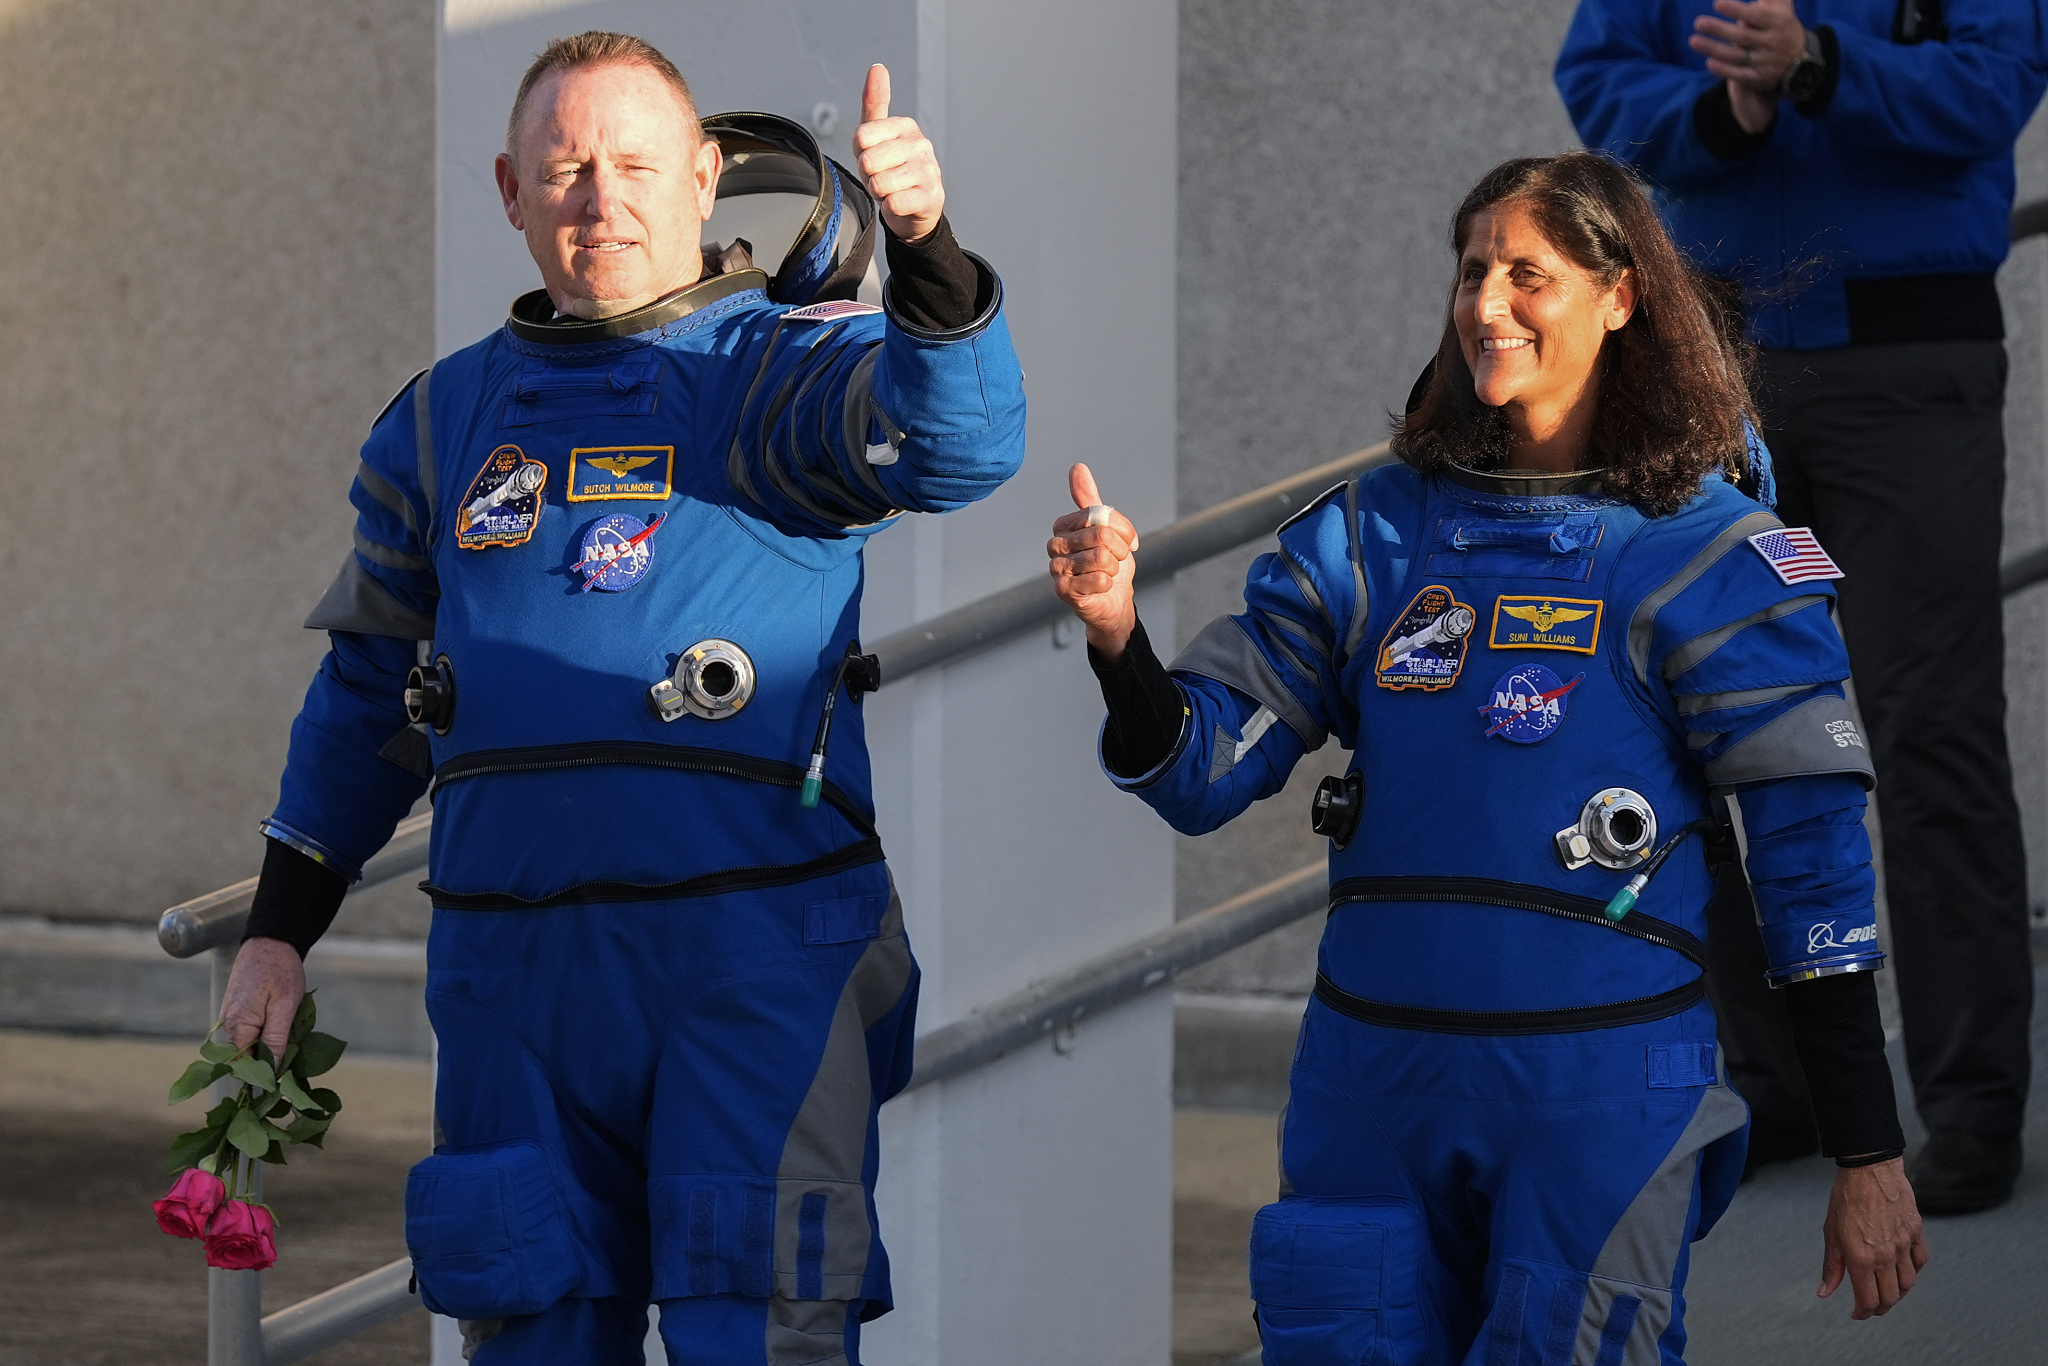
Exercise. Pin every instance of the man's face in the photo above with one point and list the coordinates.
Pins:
(611, 179)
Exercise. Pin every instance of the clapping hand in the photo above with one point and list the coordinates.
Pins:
(1753, 47)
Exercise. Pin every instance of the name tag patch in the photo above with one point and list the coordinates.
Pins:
(601, 473)
(1425, 647)
(1531, 622)
(503, 504)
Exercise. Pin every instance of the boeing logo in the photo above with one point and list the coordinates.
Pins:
(1822, 936)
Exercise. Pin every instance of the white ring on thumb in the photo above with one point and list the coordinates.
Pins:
(1098, 514)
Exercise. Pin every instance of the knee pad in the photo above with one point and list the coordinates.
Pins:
(1338, 1282)
(488, 1230)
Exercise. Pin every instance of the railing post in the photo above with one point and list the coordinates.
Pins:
(234, 1299)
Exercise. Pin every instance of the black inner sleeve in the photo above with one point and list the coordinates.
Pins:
(297, 898)
(1713, 119)
(1146, 712)
(933, 283)
(1840, 1039)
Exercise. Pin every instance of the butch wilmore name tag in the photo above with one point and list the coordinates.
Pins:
(601, 473)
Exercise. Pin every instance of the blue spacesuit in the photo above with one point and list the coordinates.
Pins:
(621, 562)
(1506, 1120)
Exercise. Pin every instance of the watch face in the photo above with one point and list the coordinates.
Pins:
(1804, 81)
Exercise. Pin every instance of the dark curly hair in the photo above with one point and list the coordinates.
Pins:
(1673, 393)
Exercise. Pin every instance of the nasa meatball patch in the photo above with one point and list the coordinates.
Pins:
(1425, 647)
(1528, 704)
(603, 473)
(503, 504)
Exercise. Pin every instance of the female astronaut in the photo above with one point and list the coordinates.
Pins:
(1555, 639)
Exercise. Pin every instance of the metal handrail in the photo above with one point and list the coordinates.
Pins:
(339, 1314)
(206, 922)
(192, 927)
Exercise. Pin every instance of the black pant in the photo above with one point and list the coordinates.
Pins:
(1895, 456)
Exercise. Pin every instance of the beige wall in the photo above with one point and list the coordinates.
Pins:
(216, 241)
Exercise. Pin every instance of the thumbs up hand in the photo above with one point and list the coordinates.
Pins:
(1094, 565)
(898, 164)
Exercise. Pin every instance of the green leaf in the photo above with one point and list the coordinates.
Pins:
(249, 1133)
(274, 1154)
(196, 1078)
(288, 1086)
(324, 1099)
(308, 1129)
(291, 1053)
(318, 1053)
(216, 1052)
(302, 1023)
(187, 1149)
(279, 1109)
(219, 1115)
(256, 1072)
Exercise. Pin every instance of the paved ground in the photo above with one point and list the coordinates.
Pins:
(95, 1284)
(92, 1281)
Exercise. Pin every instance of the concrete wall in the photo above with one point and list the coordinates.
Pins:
(1324, 146)
(216, 271)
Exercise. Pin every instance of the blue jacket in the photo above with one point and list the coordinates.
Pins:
(770, 443)
(1495, 651)
(1904, 169)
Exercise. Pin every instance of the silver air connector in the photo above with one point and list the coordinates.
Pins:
(712, 680)
(1616, 829)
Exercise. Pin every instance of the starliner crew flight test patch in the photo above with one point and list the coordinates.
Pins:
(1532, 622)
(503, 504)
(1425, 647)
(602, 473)
(1528, 704)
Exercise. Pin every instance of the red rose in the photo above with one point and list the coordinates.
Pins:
(240, 1240)
(189, 1203)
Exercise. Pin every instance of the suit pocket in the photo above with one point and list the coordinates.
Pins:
(488, 1233)
(1334, 1281)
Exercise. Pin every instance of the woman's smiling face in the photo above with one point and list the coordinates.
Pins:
(1530, 321)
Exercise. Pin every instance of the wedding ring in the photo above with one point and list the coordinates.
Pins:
(1098, 514)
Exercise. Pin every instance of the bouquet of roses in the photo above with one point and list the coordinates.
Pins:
(274, 1107)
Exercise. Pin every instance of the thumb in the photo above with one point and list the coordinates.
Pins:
(1081, 484)
(874, 97)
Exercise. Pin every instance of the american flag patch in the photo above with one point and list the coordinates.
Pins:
(830, 309)
(1795, 555)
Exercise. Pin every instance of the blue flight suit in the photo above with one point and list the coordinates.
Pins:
(669, 999)
(1506, 1121)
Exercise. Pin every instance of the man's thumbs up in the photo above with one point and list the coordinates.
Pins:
(874, 96)
(898, 164)
(1094, 565)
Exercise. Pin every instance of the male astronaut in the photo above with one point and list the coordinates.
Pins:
(617, 544)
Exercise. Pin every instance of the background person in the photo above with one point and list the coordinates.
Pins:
(1505, 1121)
(668, 997)
(1858, 174)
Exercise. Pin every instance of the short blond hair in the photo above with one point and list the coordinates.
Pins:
(594, 48)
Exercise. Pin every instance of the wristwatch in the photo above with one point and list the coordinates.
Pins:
(1802, 82)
